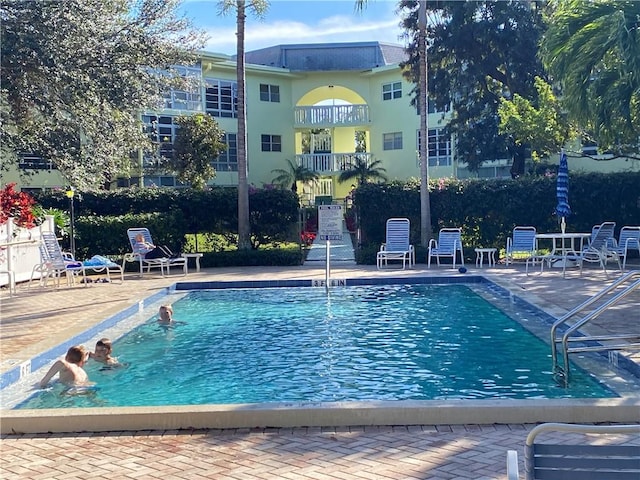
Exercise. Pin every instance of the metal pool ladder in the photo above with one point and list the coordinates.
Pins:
(586, 343)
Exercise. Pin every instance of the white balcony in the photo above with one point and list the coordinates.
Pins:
(331, 116)
(330, 163)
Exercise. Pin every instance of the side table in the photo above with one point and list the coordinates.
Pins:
(491, 256)
(197, 256)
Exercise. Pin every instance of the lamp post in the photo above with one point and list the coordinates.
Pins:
(70, 192)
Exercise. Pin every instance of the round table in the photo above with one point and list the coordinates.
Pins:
(491, 256)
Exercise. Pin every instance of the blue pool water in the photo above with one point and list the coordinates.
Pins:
(391, 342)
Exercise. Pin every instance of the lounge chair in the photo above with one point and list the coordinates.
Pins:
(522, 244)
(629, 240)
(137, 255)
(55, 263)
(449, 243)
(592, 458)
(52, 263)
(397, 246)
(598, 251)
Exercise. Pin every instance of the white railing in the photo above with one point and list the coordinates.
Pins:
(331, 115)
(19, 251)
(328, 163)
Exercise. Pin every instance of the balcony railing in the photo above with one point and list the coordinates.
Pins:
(330, 163)
(336, 115)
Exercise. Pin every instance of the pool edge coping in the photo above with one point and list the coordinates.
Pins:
(298, 414)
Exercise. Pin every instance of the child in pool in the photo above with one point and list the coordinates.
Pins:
(166, 315)
(70, 369)
(103, 352)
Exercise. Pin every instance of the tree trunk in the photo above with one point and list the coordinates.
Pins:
(518, 153)
(425, 203)
(244, 228)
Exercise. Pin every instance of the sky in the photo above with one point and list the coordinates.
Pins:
(301, 21)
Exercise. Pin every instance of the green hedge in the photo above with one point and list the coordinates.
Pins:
(253, 258)
(488, 210)
(102, 218)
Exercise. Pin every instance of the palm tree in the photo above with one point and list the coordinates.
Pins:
(425, 202)
(363, 171)
(290, 176)
(259, 7)
(593, 49)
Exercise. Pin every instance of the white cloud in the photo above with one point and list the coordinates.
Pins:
(329, 29)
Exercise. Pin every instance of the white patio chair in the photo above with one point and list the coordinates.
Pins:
(522, 244)
(396, 246)
(137, 255)
(449, 243)
(54, 263)
(598, 251)
(629, 239)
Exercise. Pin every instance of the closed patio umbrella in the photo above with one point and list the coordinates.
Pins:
(562, 191)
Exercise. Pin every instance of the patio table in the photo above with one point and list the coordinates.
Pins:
(562, 252)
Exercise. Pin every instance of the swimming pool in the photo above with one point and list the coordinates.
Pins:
(375, 342)
(311, 412)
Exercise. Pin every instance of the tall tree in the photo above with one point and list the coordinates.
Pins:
(76, 74)
(199, 141)
(540, 123)
(593, 50)
(258, 7)
(421, 88)
(480, 51)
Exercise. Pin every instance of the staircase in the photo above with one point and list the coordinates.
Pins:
(341, 252)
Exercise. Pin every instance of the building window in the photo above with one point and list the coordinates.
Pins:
(391, 90)
(162, 132)
(186, 99)
(221, 98)
(392, 141)
(227, 161)
(31, 161)
(269, 93)
(589, 147)
(152, 181)
(439, 147)
(271, 143)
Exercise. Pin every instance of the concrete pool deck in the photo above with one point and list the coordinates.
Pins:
(38, 319)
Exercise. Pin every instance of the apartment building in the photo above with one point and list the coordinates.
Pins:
(319, 105)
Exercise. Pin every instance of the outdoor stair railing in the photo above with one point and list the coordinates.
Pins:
(589, 343)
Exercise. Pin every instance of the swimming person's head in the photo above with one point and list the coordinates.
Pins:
(166, 314)
(77, 355)
(104, 345)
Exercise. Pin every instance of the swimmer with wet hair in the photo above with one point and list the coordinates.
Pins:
(166, 315)
(70, 369)
(103, 352)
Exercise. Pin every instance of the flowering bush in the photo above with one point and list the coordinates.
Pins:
(307, 238)
(19, 205)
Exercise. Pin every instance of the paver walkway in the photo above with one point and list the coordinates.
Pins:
(402, 453)
(34, 320)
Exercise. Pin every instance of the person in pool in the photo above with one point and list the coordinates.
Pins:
(103, 352)
(166, 315)
(70, 369)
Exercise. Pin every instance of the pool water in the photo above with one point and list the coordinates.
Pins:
(391, 342)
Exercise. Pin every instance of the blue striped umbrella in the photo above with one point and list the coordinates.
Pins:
(562, 190)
